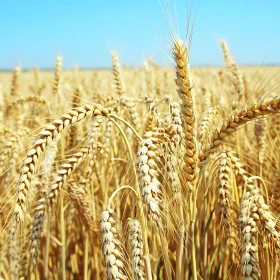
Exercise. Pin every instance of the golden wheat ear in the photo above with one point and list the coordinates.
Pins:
(47, 135)
(111, 246)
(57, 75)
(15, 82)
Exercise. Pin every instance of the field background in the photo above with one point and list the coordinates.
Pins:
(96, 170)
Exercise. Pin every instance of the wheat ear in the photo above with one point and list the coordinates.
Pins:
(57, 75)
(136, 241)
(248, 222)
(235, 70)
(111, 247)
(47, 135)
(186, 93)
(118, 79)
(148, 172)
(237, 120)
(15, 82)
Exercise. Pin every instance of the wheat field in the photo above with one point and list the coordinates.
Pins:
(140, 173)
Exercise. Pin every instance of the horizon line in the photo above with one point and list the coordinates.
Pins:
(51, 69)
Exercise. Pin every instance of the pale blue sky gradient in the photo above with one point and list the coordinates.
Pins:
(84, 32)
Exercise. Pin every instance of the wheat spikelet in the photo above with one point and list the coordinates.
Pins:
(248, 221)
(171, 168)
(136, 241)
(225, 190)
(9, 144)
(96, 147)
(235, 70)
(37, 226)
(152, 117)
(111, 247)
(265, 216)
(74, 129)
(15, 82)
(49, 160)
(57, 75)
(118, 80)
(147, 168)
(208, 121)
(177, 124)
(132, 110)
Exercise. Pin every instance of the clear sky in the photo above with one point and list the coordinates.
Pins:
(84, 32)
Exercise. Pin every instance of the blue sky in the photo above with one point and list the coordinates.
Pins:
(84, 32)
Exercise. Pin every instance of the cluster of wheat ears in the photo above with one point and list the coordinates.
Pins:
(147, 173)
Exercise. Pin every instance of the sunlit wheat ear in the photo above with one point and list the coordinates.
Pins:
(111, 247)
(237, 120)
(15, 82)
(147, 167)
(205, 128)
(66, 169)
(148, 181)
(10, 142)
(57, 75)
(248, 221)
(177, 125)
(131, 107)
(235, 70)
(254, 211)
(37, 226)
(10, 168)
(268, 221)
(47, 135)
(186, 93)
(49, 161)
(207, 96)
(238, 167)
(153, 115)
(225, 190)
(118, 79)
(136, 241)
(76, 100)
(97, 149)
(171, 162)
